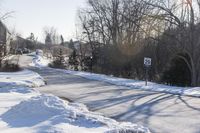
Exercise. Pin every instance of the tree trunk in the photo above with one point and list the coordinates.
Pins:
(194, 78)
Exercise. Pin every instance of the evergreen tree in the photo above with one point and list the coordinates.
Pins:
(71, 45)
(62, 40)
(59, 61)
(48, 39)
(73, 61)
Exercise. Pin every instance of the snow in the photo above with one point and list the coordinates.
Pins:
(39, 61)
(8, 57)
(22, 109)
(24, 77)
(49, 111)
(136, 84)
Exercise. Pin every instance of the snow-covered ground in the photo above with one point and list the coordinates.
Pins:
(25, 77)
(8, 57)
(22, 110)
(39, 61)
(136, 84)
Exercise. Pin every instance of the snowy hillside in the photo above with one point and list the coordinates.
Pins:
(22, 109)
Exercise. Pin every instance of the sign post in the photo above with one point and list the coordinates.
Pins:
(147, 65)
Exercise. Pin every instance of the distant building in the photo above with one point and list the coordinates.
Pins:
(5, 37)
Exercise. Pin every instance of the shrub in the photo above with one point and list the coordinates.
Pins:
(59, 61)
(9, 67)
(177, 74)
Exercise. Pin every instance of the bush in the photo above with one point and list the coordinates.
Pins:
(73, 61)
(10, 67)
(57, 64)
(177, 74)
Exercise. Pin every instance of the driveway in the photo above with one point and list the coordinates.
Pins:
(161, 112)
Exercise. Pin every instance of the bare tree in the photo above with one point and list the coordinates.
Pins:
(182, 20)
(51, 33)
(114, 23)
(5, 39)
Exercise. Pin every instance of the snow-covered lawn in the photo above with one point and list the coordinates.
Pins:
(24, 110)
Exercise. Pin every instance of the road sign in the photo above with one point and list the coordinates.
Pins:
(147, 64)
(147, 61)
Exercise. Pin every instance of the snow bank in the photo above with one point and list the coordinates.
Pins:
(8, 57)
(33, 111)
(54, 111)
(39, 61)
(23, 110)
(23, 78)
(12, 87)
(135, 84)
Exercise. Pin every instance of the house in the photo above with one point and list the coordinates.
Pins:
(5, 37)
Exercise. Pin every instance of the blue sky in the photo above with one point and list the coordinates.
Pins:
(34, 15)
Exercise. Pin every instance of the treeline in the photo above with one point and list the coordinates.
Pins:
(122, 32)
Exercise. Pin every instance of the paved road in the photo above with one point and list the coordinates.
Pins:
(161, 112)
